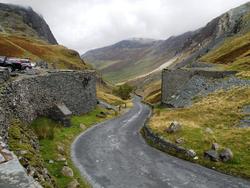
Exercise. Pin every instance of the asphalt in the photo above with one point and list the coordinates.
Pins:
(113, 154)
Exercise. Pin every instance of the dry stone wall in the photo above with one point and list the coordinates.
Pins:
(29, 97)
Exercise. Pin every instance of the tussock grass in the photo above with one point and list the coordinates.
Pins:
(220, 111)
(45, 128)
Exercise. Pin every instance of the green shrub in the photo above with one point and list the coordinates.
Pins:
(123, 91)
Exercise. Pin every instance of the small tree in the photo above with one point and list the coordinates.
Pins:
(123, 91)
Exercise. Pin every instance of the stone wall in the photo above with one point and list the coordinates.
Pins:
(179, 86)
(4, 75)
(161, 143)
(29, 97)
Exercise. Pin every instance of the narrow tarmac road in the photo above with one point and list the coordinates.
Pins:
(114, 155)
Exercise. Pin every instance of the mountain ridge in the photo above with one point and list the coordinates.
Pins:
(187, 48)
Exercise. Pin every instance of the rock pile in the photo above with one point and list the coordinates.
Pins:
(214, 155)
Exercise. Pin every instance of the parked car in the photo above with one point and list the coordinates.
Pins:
(15, 63)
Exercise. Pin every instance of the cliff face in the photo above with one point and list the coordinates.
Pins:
(24, 21)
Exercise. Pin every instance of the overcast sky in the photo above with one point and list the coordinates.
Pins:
(87, 24)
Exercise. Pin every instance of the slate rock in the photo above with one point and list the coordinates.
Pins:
(67, 171)
(60, 149)
(215, 146)
(82, 126)
(7, 154)
(179, 141)
(174, 127)
(226, 155)
(191, 153)
(60, 158)
(209, 130)
(2, 159)
(51, 162)
(211, 155)
(73, 184)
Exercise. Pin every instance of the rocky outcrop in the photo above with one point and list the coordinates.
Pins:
(29, 97)
(181, 86)
(30, 21)
(14, 175)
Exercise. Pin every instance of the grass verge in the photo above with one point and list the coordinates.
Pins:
(221, 112)
(63, 137)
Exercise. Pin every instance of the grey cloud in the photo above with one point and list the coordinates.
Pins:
(88, 24)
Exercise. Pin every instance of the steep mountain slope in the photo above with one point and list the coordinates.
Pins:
(24, 33)
(182, 50)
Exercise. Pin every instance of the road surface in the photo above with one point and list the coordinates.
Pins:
(114, 155)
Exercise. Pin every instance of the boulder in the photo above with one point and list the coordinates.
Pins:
(7, 154)
(51, 162)
(66, 171)
(211, 155)
(2, 159)
(179, 141)
(3, 145)
(191, 153)
(215, 146)
(73, 184)
(174, 127)
(23, 152)
(209, 131)
(101, 115)
(60, 158)
(226, 155)
(60, 149)
(196, 158)
(82, 126)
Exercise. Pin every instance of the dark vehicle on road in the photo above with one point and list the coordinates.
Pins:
(15, 63)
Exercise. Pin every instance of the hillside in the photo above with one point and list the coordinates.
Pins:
(115, 61)
(24, 33)
(182, 50)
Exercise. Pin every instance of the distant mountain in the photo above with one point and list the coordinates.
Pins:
(130, 58)
(123, 59)
(24, 33)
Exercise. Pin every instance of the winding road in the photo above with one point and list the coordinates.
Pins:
(113, 154)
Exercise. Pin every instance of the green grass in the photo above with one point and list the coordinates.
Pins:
(21, 138)
(221, 112)
(63, 137)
